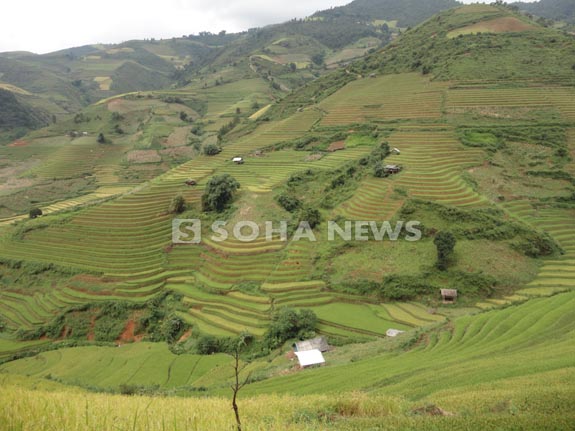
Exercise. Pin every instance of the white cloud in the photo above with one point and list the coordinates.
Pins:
(48, 25)
(43, 26)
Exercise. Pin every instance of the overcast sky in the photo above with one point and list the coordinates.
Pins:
(48, 25)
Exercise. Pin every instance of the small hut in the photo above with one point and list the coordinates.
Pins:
(393, 332)
(238, 160)
(449, 295)
(309, 358)
(318, 343)
(392, 169)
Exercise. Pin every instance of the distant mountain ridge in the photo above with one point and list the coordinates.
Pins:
(561, 10)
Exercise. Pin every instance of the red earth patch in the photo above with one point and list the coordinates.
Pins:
(128, 335)
(336, 146)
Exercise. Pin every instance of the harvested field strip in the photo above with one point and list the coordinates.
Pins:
(433, 163)
(388, 97)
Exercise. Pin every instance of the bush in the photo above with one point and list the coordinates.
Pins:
(207, 345)
(379, 171)
(177, 205)
(212, 149)
(173, 328)
(289, 203)
(310, 215)
(403, 288)
(380, 152)
(35, 212)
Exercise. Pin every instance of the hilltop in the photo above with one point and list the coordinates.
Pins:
(476, 105)
(291, 53)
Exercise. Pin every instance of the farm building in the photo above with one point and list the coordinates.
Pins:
(393, 332)
(318, 343)
(238, 160)
(309, 358)
(392, 169)
(395, 151)
(191, 182)
(449, 295)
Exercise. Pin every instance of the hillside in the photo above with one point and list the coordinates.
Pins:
(477, 107)
(290, 53)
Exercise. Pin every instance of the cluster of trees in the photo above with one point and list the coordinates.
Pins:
(219, 193)
(227, 128)
(288, 323)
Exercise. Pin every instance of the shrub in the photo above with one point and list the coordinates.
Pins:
(177, 205)
(379, 171)
(173, 328)
(212, 149)
(311, 215)
(403, 288)
(35, 212)
(207, 345)
(289, 203)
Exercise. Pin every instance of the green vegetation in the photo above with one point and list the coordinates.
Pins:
(482, 125)
(445, 243)
(219, 193)
(177, 205)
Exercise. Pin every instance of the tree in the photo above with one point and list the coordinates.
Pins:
(445, 244)
(379, 171)
(219, 192)
(288, 202)
(238, 385)
(292, 67)
(35, 212)
(318, 58)
(207, 345)
(212, 149)
(183, 116)
(177, 205)
(116, 116)
(311, 215)
(101, 138)
(288, 323)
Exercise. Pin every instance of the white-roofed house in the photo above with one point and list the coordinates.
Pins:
(308, 358)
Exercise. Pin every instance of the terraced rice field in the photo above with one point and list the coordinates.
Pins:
(433, 163)
(485, 347)
(510, 102)
(384, 98)
(556, 274)
(232, 286)
(372, 201)
(138, 364)
(128, 241)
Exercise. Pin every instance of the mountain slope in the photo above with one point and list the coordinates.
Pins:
(481, 43)
(485, 140)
